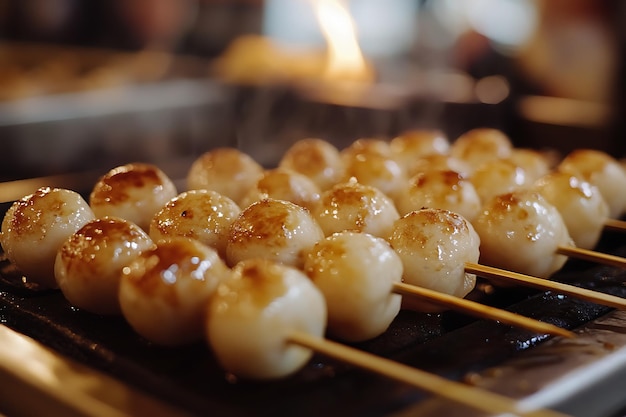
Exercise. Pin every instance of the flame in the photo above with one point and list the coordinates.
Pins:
(345, 59)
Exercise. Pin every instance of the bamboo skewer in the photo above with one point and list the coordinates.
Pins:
(615, 225)
(544, 284)
(473, 397)
(592, 256)
(480, 310)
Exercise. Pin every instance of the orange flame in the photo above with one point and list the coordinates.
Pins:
(345, 59)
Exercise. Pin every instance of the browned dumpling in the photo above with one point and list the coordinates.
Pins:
(273, 229)
(601, 170)
(536, 164)
(521, 232)
(88, 266)
(379, 171)
(371, 162)
(480, 145)
(35, 227)
(253, 313)
(418, 143)
(164, 291)
(581, 205)
(356, 273)
(134, 192)
(499, 176)
(434, 246)
(203, 215)
(355, 207)
(448, 190)
(284, 184)
(317, 159)
(228, 171)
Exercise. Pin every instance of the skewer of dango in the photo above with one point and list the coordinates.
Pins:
(363, 278)
(267, 319)
(280, 231)
(524, 240)
(164, 287)
(427, 238)
(522, 232)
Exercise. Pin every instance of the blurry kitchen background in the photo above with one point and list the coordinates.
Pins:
(88, 84)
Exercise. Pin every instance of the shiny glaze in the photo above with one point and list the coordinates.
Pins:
(36, 226)
(164, 291)
(601, 170)
(356, 272)
(367, 146)
(521, 231)
(580, 203)
(118, 185)
(434, 246)
(444, 189)
(89, 264)
(252, 314)
(134, 192)
(204, 215)
(356, 207)
(257, 283)
(273, 229)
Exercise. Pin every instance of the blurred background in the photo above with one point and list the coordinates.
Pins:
(88, 84)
